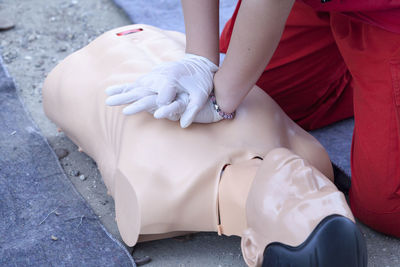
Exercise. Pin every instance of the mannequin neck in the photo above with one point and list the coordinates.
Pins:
(233, 190)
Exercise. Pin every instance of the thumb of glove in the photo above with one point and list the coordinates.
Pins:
(189, 115)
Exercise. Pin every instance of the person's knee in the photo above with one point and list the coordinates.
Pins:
(381, 213)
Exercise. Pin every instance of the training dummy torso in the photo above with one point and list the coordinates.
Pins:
(174, 172)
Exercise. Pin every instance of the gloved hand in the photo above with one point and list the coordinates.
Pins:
(192, 75)
(173, 111)
(144, 100)
(207, 113)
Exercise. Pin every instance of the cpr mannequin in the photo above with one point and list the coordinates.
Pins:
(259, 176)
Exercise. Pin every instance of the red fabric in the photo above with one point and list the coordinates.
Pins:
(380, 13)
(352, 5)
(373, 58)
(388, 19)
(306, 76)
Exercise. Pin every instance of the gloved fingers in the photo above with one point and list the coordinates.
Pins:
(147, 81)
(166, 93)
(147, 103)
(128, 97)
(141, 82)
(117, 89)
(188, 116)
(197, 100)
(207, 114)
(170, 112)
(197, 86)
(174, 110)
(163, 85)
(152, 81)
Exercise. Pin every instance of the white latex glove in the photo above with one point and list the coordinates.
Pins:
(144, 100)
(206, 114)
(192, 75)
(173, 111)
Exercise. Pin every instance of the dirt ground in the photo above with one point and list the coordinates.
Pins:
(45, 33)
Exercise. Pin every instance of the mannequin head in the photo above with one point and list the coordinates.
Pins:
(285, 203)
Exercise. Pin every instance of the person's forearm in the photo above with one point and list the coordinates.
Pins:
(256, 34)
(202, 28)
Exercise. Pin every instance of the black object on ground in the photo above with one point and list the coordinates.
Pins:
(142, 260)
(44, 221)
(336, 241)
(342, 180)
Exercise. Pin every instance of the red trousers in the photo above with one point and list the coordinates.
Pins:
(326, 66)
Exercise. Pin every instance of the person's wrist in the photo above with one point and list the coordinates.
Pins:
(210, 64)
(217, 108)
(223, 94)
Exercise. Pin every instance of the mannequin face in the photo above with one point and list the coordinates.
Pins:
(287, 199)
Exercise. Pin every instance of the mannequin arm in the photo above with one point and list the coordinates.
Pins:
(202, 26)
(256, 35)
